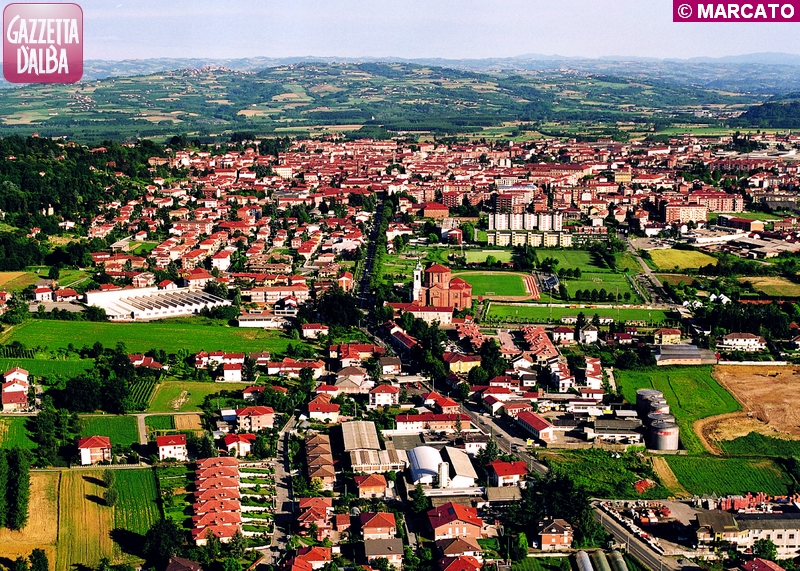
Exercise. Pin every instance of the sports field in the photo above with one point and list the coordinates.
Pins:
(46, 367)
(612, 283)
(680, 259)
(479, 256)
(141, 337)
(692, 394)
(179, 396)
(540, 313)
(121, 430)
(14, 432)
(499, 283)
(774, 286)
(706, 475)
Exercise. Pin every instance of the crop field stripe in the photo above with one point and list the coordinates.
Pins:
(706, 475)
(84, 525)
(120, 429)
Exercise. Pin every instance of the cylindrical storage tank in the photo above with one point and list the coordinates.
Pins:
(656, 416)
(659, 405)
(643, 397)
(617, 561)
(582, 559)
(599, 561)
(664, 436)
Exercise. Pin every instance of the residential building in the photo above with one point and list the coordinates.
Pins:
(172, 447)
(554, 534)
(94, 449)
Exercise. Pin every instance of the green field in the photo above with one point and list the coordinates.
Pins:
(499, 283)
(543, 564)
(121, 430)
(47, 367)
(691, 392)
(758, 444)
(160, 422)
(479, 256)
(14, 432)
(137, 507)
(670, 259)
(179, 396)
(706, 475)
(141, 337)
(540, 313)
(774, 286)
(612, 283)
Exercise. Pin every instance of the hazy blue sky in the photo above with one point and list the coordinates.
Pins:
(122, 29)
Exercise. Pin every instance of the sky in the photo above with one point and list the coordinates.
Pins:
(452, 29)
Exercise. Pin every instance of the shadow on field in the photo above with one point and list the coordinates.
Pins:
(95, 481)
(95, 499)
(129, 541)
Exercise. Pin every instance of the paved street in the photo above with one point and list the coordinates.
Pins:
(634, 546)
(284, 515)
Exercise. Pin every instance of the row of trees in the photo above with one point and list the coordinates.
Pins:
(15, 484)
(36, 561)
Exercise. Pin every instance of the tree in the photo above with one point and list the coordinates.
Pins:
(765, 549)
(20, 564)
(109, 477)
(206, 448)
(237, 545)
(478, 376)
(162, 541)
(463, 391)
(488, 454)
(260, 448)
(38, 559)
(382, 564)
(519, 547)
(231, 564)
(419, 501)
(581, 322)
(110, 497)
(19, 488)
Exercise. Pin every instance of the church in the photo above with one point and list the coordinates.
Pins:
(440, 290)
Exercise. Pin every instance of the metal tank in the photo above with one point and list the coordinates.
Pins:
(599, 561)
(643, 397)
(656, 416)
(582, 559)
(664, 436)
(659, 405)
(617, 561)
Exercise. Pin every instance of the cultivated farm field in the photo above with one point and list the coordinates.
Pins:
(692, 394)
(47, 367)
(670, 259)
(14, 432)
(707, 474)
(141, 337)
(42, 528)
(120, 429)
(136, 510)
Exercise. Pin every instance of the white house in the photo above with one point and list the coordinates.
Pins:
(384, 395)
(232, 373)
(746, 342)
(172, 447)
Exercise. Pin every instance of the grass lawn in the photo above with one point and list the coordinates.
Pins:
(141, 337)
(179, 396)
(774, 286)
(120, 429)
(627, 263)
(675, 279)
(46, 367)
(691, 392)
(539, 313)
(680, 259)
(479, 256)
(723, 476)
(18, 281)
(160, 422)
(542, 564)
(500, 283)
(143, 248)
(14, 432)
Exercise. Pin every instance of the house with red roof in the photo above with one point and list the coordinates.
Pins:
(314, 330)
(172, 447)
(454, 520)
(94, 449)
(255, 418)
(384, 395)
(381, 525)
(322, 410)
(371, 486)
(537, 425)
(459, 563)
(239, 444)
(316, 556)
(502, 473)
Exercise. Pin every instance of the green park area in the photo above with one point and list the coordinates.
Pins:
(480, 256)
(141, 337)
(48, 367)
(692, 394)
(541, 313)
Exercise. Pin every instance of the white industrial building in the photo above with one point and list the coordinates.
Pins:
(145, 303)
(428, 467)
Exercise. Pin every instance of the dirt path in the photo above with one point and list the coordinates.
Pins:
(668, 478)
(704, 427)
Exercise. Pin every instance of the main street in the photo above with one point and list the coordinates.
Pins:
(634, 546)
(284, 514)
